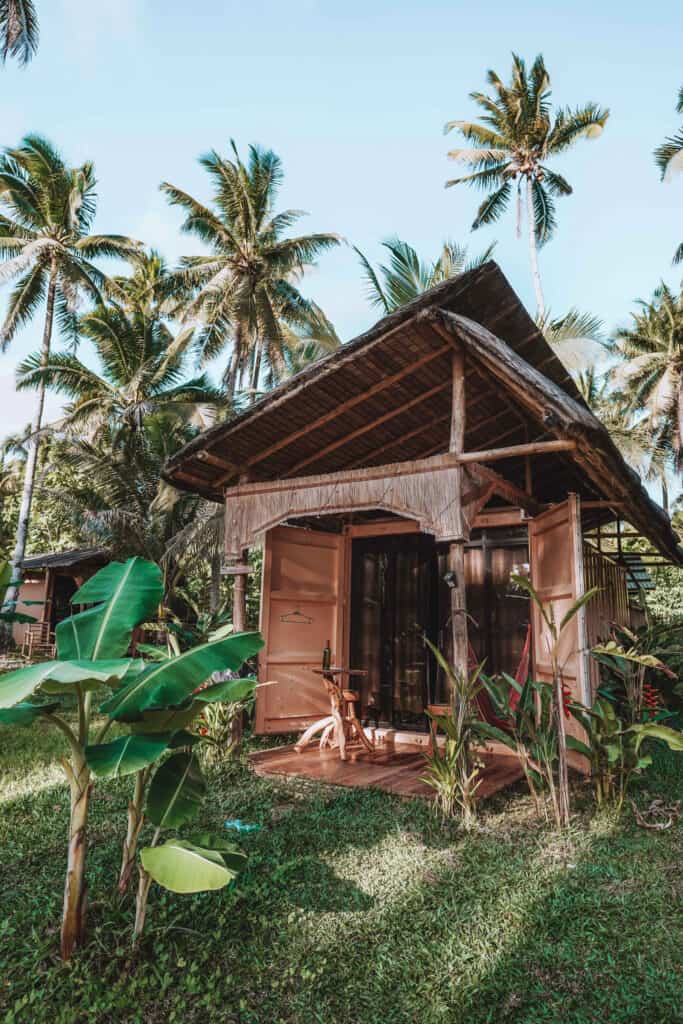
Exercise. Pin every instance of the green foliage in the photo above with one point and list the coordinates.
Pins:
(454, 774)
(176, 792)
(244, 292)
(170, 683)
(514, 140)
(406, 276)
(125, 755)
(184, 867)
(613, 748)
(123, 595)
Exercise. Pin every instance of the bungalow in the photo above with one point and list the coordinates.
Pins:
(398, 484)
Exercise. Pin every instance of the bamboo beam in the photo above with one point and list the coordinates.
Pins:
(517, 450)
(456, 550)
(316, 456)
(217, 461)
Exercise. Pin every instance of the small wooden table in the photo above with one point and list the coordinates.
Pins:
(341, 726)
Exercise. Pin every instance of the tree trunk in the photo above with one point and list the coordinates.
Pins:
(144, 883)
(533, 249)
(665, 492)
(256, 368)
(75, 888)
(33, 446)
(215, 592)
(231, 375)
(130, 843)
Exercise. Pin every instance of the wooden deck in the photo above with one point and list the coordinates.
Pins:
(393, 769)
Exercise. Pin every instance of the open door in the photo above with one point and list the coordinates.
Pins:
(303, 605)
(556, 562)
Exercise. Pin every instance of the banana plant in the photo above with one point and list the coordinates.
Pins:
(199, 863)
(614, 748)
(92, 646)
(173, 721)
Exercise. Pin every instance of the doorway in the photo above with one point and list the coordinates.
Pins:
(394, 602)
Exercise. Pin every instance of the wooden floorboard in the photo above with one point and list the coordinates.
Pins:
(395, 770)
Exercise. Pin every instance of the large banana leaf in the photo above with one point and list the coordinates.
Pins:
(181, 867)
(176, 792)
(170, 683)
(125, 755)
(233, 856)
(26, 713)
(56, 677)
(166, 719)
(653, 731)
(231, 691)
(124, 595)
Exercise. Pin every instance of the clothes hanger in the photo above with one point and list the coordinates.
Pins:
(297, 618)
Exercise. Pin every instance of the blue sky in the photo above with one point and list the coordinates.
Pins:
(353, 97)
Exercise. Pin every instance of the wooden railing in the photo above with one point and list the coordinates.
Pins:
(610, 604)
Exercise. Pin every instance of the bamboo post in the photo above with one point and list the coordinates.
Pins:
(239, 597)
(456, 551)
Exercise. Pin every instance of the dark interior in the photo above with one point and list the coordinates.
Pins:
(398, 595)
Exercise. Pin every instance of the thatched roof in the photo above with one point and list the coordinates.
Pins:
(386, 397)
(66, 559)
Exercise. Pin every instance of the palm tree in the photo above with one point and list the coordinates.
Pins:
(245, 291)
(514, 139)
(578, 338)
(669, 159)
(46, 209)
(630, 432)
(142, 374)
(650, 374)
(407, 276)
(18, 29)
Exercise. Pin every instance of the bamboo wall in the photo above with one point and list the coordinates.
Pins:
(609, 605)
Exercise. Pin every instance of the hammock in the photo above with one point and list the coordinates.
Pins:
(486, 708)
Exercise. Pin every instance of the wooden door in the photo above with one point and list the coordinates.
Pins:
(303, 608)
(556, 562)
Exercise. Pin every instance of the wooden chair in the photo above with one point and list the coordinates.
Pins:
(38, 642)
(341, 726)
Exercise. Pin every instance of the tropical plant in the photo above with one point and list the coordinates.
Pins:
(530, 731)
(18, 30)
(628, 663)
(406, 276)
(141, 373)
(92, 649)
(454, 773)
(513, 141)
(613, 748)
(46, 212)
(669, 159)
(245, 291)
(554, 637)
(650, 370)
(577, 337)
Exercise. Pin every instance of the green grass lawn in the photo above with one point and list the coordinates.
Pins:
(356, 907)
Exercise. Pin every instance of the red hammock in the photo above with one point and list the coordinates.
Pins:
(486, 708)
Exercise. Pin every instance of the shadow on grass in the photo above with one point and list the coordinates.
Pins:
(356, 907)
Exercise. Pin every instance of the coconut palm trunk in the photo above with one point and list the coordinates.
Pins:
(256, 368)
(533, 250)
(33, 446)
